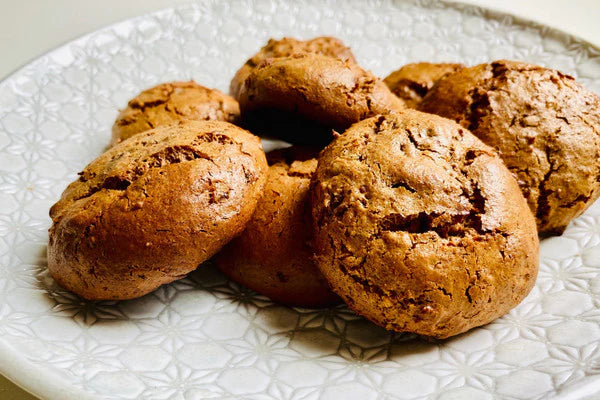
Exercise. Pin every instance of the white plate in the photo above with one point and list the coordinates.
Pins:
(204, 336)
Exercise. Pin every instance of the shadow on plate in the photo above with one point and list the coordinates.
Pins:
(207, 294)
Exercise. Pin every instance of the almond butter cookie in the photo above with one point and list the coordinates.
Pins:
(326, 45)
(273, 255)
(171, 102)
(544, 124)
(412, 82)
(420, 227)
(152, 208)
(311, 94)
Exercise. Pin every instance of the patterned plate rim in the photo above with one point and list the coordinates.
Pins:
(45, 383)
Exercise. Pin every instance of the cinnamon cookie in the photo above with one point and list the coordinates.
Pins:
(420, 227)
(311, 94)
(545, 126)
(171, 102)
(412, 82)
(273, 255)
(152, 208)
(326, 45)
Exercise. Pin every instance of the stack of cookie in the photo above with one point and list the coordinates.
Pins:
(419, 222)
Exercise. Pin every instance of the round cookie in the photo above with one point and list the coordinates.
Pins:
(420, 227)
(171, 102)
(273, 256)
(326, 45)
(152, 208)
(412, 82)
(545, 126)
(313, 93)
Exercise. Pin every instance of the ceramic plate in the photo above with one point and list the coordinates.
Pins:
(206, 337)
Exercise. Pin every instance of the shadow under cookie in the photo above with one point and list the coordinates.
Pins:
(287, 126)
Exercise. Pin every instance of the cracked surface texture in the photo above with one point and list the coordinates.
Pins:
(152, 208)
(545, 126)
(420, 227)
(273, 255)
(326, 45)
(412, 82)
(171, 102)
(317, 88)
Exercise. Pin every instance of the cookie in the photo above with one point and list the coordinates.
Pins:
(545, 126)
(420, 227)
(326, 45)
(171, 102)
(311, 94)
(273, 256)
(152, 208)
(412, 82)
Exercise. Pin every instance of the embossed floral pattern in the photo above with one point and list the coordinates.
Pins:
(206, 337)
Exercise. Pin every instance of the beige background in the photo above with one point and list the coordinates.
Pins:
(29, 28)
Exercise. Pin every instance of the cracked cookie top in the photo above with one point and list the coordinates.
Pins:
(412, 82)
(545, 126)
(325, 45)
(273, 255)
(420, 227)
(171, 102)
(325, 90)
(152, 208)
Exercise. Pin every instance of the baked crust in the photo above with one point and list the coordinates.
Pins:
(310, 87)
(152, 208)
(273, 255)
(420, 227)
(545, 126)
(171, 102)
(412, 82)
(325, 45)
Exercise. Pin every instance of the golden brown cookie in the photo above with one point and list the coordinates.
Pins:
(273, 256)
(311, 91)
(412, 82)
(545, 126)
(326, 45)
(171, 102)
(152, 208)
(420, 227)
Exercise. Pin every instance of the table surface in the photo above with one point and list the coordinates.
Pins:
(30, 28)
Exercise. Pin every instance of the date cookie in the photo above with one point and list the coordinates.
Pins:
(412, 82)
(273, 256)
(151, 209)
(326, 45)
(171, 102)
(311, 94)
(420, 227)
(545, 126)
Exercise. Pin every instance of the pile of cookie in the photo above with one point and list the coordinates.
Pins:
(417, 199)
